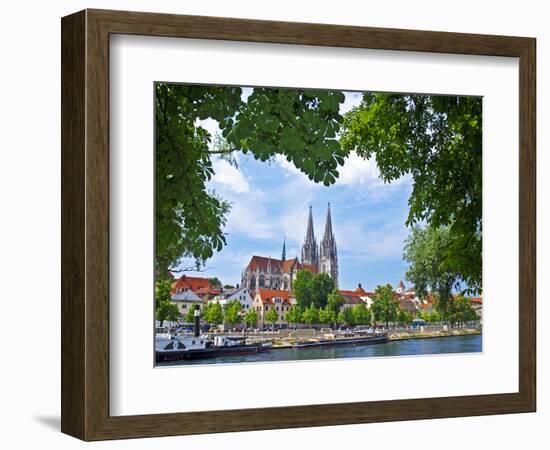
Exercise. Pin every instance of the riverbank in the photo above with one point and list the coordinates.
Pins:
(284, 343)
(413, 334)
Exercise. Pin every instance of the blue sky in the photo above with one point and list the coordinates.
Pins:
(270, 201)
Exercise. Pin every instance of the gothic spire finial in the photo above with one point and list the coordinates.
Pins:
(284, 248)
(328, 225)
(310, 234)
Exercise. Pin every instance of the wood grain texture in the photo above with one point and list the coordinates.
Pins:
(73, 267)
(85, 224)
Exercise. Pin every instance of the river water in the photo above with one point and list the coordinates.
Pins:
(453, 344)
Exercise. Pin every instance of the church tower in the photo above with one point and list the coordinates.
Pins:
(309, 249)
(284, 249)
(328, 257)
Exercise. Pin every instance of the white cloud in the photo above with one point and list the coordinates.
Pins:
(229, 176)
(373, 243)
(289, 168)
(249, 218)
(210, 125)
(357, 170)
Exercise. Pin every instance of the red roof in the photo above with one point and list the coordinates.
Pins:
(360, 290)
(354, 297)
(261, 262)
(288, 264)
(207, 291)
(478, 300)
(277, 265)
(193, 283)
(350, 293)
(267, 295)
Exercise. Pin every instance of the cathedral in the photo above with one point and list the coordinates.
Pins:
(267, 272)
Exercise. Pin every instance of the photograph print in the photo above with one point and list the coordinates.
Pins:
(307, 224)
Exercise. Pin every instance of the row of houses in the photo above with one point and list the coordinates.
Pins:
(189, 291)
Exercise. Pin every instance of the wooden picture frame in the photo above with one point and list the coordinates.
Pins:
(85, 224)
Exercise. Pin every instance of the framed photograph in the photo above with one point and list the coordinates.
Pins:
(273, 225)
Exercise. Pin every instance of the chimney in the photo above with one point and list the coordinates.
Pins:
(197, 320)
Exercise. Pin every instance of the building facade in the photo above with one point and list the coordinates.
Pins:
(241, 294)
(272, 299)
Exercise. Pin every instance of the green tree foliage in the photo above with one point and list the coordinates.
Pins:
(335, 301)
(312, 289)
(232, 312)
(302, 288)
(361, 315)
(164, 309)
(327, 315)
(322, 285)
(462, 310)
(294, 315)
(430, 316)
(215, 281)
(272, 317)
(311, 315)
(384, 306)
(300, 125)
(188, 218)
(346, 317)
(428, 253)
(404, 317)
(213, 313)
(438, 141)
(190, 315)
(251, 317)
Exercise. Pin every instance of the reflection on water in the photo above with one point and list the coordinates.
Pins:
(454, 344)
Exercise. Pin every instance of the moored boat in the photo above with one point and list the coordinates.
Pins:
(334, 342)
(181, 347)
(192, 347)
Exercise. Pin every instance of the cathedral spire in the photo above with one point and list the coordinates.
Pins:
(310, 235)
(309, 249)
(328, 226)
(284, 249)
(328, 253)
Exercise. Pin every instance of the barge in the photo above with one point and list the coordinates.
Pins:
(336, 342)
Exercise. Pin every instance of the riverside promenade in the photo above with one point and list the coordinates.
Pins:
(285, 338)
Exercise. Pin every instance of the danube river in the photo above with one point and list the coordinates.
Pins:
(452, 344)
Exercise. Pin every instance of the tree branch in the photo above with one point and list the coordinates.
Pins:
(191, 269)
